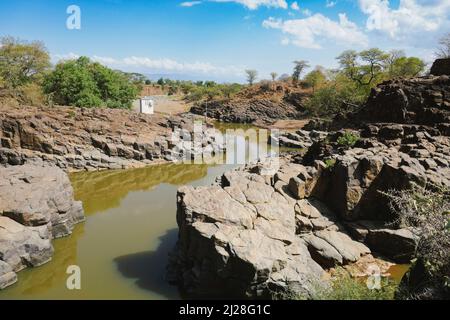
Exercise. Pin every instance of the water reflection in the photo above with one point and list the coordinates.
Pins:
(104, 190)
(122, 248)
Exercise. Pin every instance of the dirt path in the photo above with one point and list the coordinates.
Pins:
(170, 105)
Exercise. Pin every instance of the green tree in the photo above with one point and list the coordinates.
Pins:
(229, 90)
(274, 76)
(83, 83)
(315, 78)
(252, 75)
(392, 57)
(22, 62)
(368, 71)
(407, 67)
(300, 66)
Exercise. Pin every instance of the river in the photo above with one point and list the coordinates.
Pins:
(122, 248)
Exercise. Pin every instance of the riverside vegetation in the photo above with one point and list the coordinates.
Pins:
(374, 193)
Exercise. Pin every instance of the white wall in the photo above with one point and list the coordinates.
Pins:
(147, 106)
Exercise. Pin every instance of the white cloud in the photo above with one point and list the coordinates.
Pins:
(410, 16)
(330, 4)
(159, 65)
(255, 4)
(308, 32)
(68, 56)
(190, 3)
(295, 6)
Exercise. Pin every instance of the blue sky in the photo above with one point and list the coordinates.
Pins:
(218, 39)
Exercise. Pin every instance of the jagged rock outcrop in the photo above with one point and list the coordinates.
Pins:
(39, 196)
(424, 100)
(441, 67)
(262, 103)
(385, 157)
(36, 206)
(250, 237)
(261, 111)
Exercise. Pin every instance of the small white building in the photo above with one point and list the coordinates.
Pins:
(144, 105)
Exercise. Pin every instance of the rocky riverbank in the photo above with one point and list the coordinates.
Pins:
(76, 139)
(254, 234)
(40, 145)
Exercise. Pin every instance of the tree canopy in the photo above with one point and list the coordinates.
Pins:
(83, 83)
(22, 62)
(299, 67)
(252, 75)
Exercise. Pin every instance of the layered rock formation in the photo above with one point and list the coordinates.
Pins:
(36, 206)
(262, 103)
(92, 139)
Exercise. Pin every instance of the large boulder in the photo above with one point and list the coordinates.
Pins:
(22, 246)
(424, 100)
(36, 206)
(39, 196)
(441, 67)
(250, 237)
(7, 276)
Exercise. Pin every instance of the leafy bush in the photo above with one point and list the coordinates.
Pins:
(427, 213)
(87, 84)
(347, 88)
(338, 96)
(31, 94)
(330, 163)
(344, 287)
(348, 139)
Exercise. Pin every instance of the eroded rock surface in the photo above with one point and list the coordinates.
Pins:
(249, 236)
(36, 206)
(95, 139)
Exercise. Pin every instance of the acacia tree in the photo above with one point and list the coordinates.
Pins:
(300, 66)
(252, 75)
(443, 50)
(22, 62)
(316, 78)
(364, 73)
(391, 58)
(274, 76)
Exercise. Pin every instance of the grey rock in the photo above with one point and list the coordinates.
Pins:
(22, 246)
(39, 195)
(7, 276)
